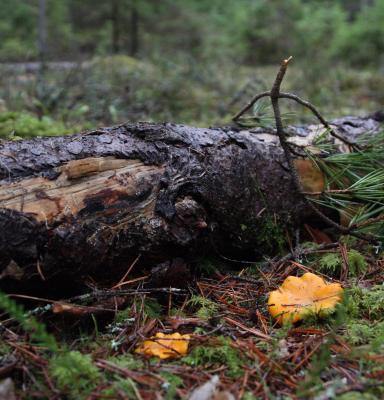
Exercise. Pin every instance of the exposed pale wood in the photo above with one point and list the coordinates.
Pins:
(79, 182)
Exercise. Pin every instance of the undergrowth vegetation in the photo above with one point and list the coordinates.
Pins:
(216, 354)
(18, 125)
(119, 88)
(198, 63)
(332, 263)
(74, 373)
(231, 334)
(224, 317)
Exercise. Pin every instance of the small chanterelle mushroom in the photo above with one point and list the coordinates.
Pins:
(164, 345)
(299, 297)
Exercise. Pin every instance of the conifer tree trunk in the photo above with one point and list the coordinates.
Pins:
(89, 203)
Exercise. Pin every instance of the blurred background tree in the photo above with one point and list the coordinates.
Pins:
(192, 61)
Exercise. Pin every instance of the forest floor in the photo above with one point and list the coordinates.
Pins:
(70, 97)
(234, 343)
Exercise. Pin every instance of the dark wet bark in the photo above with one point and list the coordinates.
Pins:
(92, 202)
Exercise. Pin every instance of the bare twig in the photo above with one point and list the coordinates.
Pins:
(122, 280)
(324, 122)
(291, 96)
(250, 104)
(97, 294)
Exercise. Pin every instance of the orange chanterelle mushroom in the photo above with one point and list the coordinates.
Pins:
(165, 345)
(298, 297)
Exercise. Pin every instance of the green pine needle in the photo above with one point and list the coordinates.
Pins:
(354, 183)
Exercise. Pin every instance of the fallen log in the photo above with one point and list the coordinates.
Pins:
(92, 202)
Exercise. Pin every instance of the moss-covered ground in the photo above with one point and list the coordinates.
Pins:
(224, 309)
(89, 350)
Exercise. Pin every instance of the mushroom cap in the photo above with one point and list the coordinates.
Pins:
(298, 297)
(165, 345)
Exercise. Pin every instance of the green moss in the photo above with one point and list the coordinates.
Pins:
(14, 125)
(364, 332)
(221, 354)
(170, 386)
(74, 374)
(320, 362)
(357, 263)
(152, 308)
(208, 266)
(177, 312)
(5, 349)
(249, 396)
(365, 320)
(128, 361)
(357, 396)
(271, 235)
(205, 308)
(368, 303)
(36, 329)
(122, 315)
(121, 385)
(331, 263)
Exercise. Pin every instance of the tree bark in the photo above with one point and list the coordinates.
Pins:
(92, 202)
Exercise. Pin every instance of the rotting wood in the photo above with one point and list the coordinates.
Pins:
(82, 184)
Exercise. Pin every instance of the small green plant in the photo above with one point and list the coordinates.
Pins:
(128, 361)
(37, 330)
(5, 349)
(368, 303)
(208, 266)
(75, 374)
(170, 386)
(123, 315)
(271, 235)
(331, 263)
(14, 125)
(221, 354)
(312, 382)
(122, 385)
(205, 308)
(357, 396)
(357, 262)
(249, 396)
(364, 332)
(152, 308)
